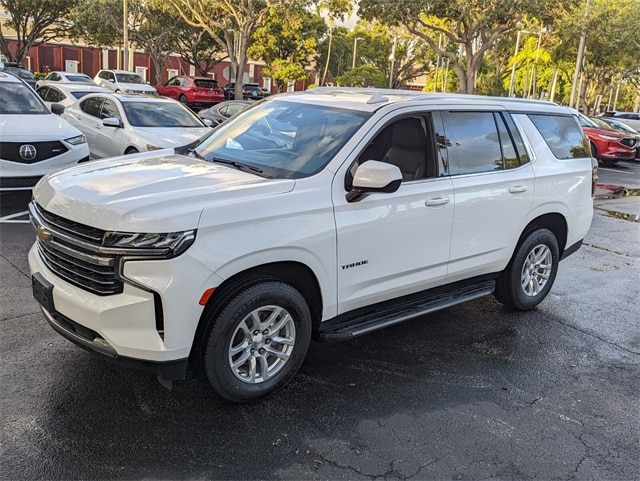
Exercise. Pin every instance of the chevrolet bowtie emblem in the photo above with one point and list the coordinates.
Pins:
(43, 234)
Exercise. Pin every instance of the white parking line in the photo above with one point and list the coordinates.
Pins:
(9, 219)
(618, 171)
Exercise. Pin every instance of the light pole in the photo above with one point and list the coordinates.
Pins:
(355, 49)
(392, 57)
(125, 35)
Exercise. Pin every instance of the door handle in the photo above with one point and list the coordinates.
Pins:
(437, 201)
(97, 126)
(517, 189)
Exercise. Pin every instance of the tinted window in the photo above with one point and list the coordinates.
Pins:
(79, 78)
(473, 142)
(110, 110)
(159, 114)
(51, 94)
(129, 78)
(563, 135)
(92, 106)
(207, 84)
(523, 156)
(17, 98)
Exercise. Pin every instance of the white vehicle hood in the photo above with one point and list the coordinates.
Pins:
(171, 136)
(42, 128)
(138, 87)
(150, 192)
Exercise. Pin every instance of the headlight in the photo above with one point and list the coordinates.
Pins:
(609, 137)
(166, 244)
(77, 140)
(129, 91)
(154, 147)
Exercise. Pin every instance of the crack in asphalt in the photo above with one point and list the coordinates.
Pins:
(590, 334)
(16, 267)
(611, 251)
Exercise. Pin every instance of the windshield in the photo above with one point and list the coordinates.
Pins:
(20, 72)
(587, 122)
(79, 78)
(129, 78)
(159, 114)
(283, 139)
(17, 98)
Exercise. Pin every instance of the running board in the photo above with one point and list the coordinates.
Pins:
(403, 311)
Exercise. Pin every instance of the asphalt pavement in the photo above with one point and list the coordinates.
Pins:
(471, 392)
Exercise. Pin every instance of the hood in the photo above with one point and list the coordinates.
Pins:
(42, 128)
(149, 192)
(171, 136)
(138, 87)
(610, 133)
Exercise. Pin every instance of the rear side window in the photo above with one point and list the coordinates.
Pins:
(92, 106)
(481, 142)
(563, 135)
(207, 84)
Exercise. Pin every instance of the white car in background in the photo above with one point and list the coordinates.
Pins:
(67, 93)
(122, 81)
(65, 77)
(117, 124)
(33, 141)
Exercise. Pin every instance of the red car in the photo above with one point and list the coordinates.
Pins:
(608, 146)
(192, 91)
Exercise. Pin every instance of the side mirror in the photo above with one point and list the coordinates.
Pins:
(112, 122)
(57, 109)
(374, 176)
(111, 80)
(207, 122)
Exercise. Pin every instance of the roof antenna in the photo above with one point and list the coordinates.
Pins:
(377, 98)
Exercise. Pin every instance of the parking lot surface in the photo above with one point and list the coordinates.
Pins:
(471, 392)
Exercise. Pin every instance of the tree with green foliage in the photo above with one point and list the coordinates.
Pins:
(152, 29)
(34, 22)
(474, 26)
(363, 76)
(231, 23)
(286, 42)
(196, 47)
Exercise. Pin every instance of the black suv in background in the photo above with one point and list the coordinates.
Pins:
(19, 70)
(249, 91)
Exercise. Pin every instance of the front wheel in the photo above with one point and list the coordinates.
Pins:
(258, 341)
(529, 276)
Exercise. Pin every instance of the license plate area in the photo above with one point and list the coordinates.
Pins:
(43, 291)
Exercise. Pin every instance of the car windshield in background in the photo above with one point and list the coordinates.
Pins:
(80, 79)
(159, 114)
(79, 94)
(17, 98)
(20, 72)
(283, 139)
(129, 78)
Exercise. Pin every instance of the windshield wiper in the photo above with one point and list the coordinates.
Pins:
(195, 153)
(237, 165)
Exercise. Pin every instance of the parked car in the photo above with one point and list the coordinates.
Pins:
(249, 91)
(19, 70)
(67, 93)
(231, 254)
(224, 110)
(33, 141)
(117, 124)
(192, 91)
(611, 122)
(608, 146)
(65, 77)
(632, 119)
(121, 81)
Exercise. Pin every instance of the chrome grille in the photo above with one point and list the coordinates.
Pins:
(71, 250)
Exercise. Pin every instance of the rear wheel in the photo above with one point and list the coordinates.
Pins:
(182, 99)
(131, 150)
(529, 276)
(257, 342)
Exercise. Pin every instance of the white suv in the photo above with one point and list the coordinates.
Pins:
(122, 81)
(33, 140)
(328, 213)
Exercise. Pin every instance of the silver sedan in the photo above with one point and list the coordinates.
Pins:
(116, 124)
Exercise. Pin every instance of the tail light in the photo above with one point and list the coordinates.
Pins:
(594, 175)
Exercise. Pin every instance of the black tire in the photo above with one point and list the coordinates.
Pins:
(528, 278)
(131, 150)
(240, 344)
(182, 99)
